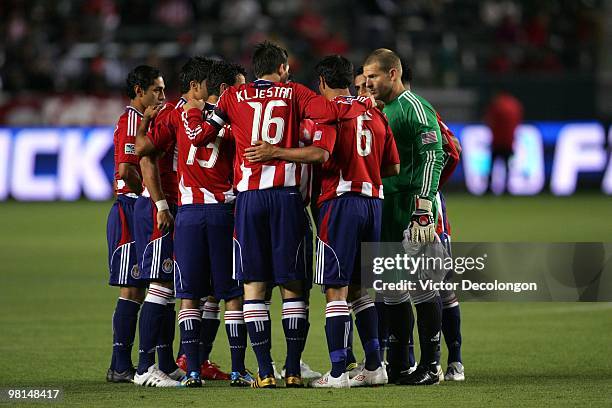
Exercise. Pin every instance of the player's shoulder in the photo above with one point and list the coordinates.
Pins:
(417, 107)
(349, 99)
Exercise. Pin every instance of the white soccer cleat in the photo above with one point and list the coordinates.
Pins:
(307, 372)
(455, 372)
(357, 370)
(154, 377)
(327, 381)
(276, 373)
(177, 374)
(367, 378)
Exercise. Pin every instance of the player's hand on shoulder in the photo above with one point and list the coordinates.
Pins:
(380, 104)
(152, 111)
(165, 221)
(194, 103)
(260, 152)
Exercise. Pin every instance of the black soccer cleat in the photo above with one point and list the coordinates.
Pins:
(423, 375)
(126, 376)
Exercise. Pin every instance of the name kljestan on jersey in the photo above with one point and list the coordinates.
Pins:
(273, 92)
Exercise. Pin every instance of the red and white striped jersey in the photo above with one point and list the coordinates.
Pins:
(204, 174)
(358, 148)
(307, 130)
(165, 140)
(272, 112)
(124, 140)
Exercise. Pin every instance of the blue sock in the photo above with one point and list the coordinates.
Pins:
(152, 318)
(210, 327)
(337, 327)
(165, 342)
(451, 328)
(237, 338)
(366, 320)
(190, 323)
(124, 331)
(294, 325)
(350, 356)
(257, 319)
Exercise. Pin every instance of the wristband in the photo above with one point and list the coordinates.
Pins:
(162, 205)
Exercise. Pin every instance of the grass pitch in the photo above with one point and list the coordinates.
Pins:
(55, 318)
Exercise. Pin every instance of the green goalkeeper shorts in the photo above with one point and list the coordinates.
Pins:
(397, 209)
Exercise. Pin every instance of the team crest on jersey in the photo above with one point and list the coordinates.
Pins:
(317, 135)
(167, 265)
(130, 148)
(135, 272)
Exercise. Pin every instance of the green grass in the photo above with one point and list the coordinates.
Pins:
(56, 309)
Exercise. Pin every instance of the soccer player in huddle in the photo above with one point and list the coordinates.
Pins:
(356, 153)
(145, 87)
(269, 218)
(154, 217)
(410, 211)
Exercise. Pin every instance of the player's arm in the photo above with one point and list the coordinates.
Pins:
(152, 180)
(390, 163)
(428, 144)
(323, 141)
(321, 110)
(203, 131)
(128, 172)
(144, 145)
(128, 160)
(264, 151)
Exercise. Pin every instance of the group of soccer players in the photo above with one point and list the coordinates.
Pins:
(214, 203)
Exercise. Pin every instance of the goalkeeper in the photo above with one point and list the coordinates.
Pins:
(409, 211)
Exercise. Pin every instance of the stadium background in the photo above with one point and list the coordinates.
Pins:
(62, 68)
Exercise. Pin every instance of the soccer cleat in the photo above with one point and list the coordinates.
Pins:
(277, 375)
(307, 372)
(327, 381)
(423, 375)
(192, 380)
(455, 372)
(181, 362)
(367, 378)
(267, 382)
(394, 375)
(154, 377)
(440, 372)
(238, 379)
(120, 377)
(177, 374)
(354, 369)
(293, 381)
(211, 371)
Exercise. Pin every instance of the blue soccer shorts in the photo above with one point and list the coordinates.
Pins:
(344, 223)
(154, 249)
(269, 236)
(203, 252)
(122, 262)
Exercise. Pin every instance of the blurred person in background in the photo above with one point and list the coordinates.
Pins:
(503, 115)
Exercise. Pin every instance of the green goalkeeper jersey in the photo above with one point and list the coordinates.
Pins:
(419, 142)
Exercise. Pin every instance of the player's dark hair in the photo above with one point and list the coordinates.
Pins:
(223, 72)
(142, 75)
(359, 71)
(267, 57)
(195, 69)
(336, 70)
(385, 58)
